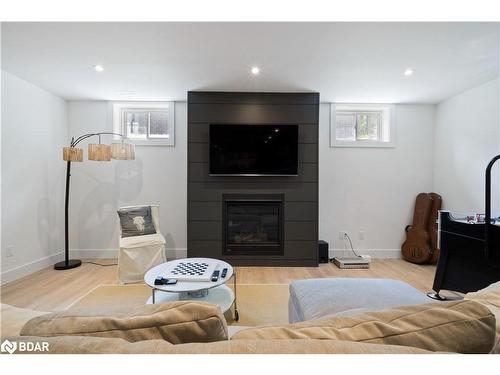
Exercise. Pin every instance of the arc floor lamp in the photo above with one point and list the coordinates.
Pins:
(96, 152)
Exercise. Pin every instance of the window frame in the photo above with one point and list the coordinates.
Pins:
(388, 125)
(119, 109)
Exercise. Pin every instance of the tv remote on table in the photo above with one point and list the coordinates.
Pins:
(162, 281)
(224, 273)
(215, 276)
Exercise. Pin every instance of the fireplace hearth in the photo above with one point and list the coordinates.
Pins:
(253, 225)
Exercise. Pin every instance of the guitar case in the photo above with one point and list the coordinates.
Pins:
(417, 247)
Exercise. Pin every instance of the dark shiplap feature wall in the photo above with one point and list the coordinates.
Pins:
(205, 193)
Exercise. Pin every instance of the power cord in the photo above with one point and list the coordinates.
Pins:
(102, 265)
(350, 242)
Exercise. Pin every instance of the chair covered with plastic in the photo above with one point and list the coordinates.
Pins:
(138, 254)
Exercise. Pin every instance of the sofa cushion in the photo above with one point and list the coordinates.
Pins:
(458, 326)
(489, 297)
(317, 298)
(97, 345)
(175, 322)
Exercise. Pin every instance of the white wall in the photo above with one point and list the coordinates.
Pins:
(157, 176)
(34, 130)
(467, 137)
(373, 189)
(370, 190)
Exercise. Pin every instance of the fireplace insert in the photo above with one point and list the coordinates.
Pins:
(253, 225)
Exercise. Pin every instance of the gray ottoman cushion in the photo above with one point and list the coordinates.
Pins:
(317, 298)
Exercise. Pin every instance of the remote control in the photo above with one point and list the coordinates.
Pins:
(162, 281)
(159, 280)
(224, 273)
(215, 276)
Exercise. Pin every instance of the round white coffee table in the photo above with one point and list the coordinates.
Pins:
(215, 292)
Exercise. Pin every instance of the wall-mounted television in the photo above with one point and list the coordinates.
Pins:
(253, 150)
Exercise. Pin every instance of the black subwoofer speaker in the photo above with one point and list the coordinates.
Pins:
(322, 251)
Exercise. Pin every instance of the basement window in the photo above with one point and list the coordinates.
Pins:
(145, 123)
(362, 125)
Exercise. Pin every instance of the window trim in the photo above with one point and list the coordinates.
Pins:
(119, 108)
(390, 109)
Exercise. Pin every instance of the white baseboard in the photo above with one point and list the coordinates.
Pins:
(374, 253)
(93, 253)
(29, 268)
(113, 253)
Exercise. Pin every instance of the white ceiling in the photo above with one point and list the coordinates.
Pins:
(349, 62)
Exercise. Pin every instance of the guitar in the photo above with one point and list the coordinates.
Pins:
(417, 247)
(432, 228)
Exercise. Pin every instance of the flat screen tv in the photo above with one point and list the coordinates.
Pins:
(253, 150)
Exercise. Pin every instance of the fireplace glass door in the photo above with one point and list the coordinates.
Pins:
(253, 227)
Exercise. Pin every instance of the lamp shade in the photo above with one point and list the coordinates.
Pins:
(122, 151)
(99, 152)
(72, 154)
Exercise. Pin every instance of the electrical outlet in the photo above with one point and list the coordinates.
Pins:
(361, 235)
(10, 251)
(342, 234)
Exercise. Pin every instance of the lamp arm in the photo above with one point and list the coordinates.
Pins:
(81, 138)
(85, 136)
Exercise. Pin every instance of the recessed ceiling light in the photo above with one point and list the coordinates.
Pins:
(98, 68)
(255, 70)
(409, 72)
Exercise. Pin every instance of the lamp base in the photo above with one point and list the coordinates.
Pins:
(72, 263)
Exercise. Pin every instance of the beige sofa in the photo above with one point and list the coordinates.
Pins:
(467, 326)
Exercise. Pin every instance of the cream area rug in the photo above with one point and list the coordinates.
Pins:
(258, 304)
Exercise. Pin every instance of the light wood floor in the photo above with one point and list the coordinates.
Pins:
(50, 290)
